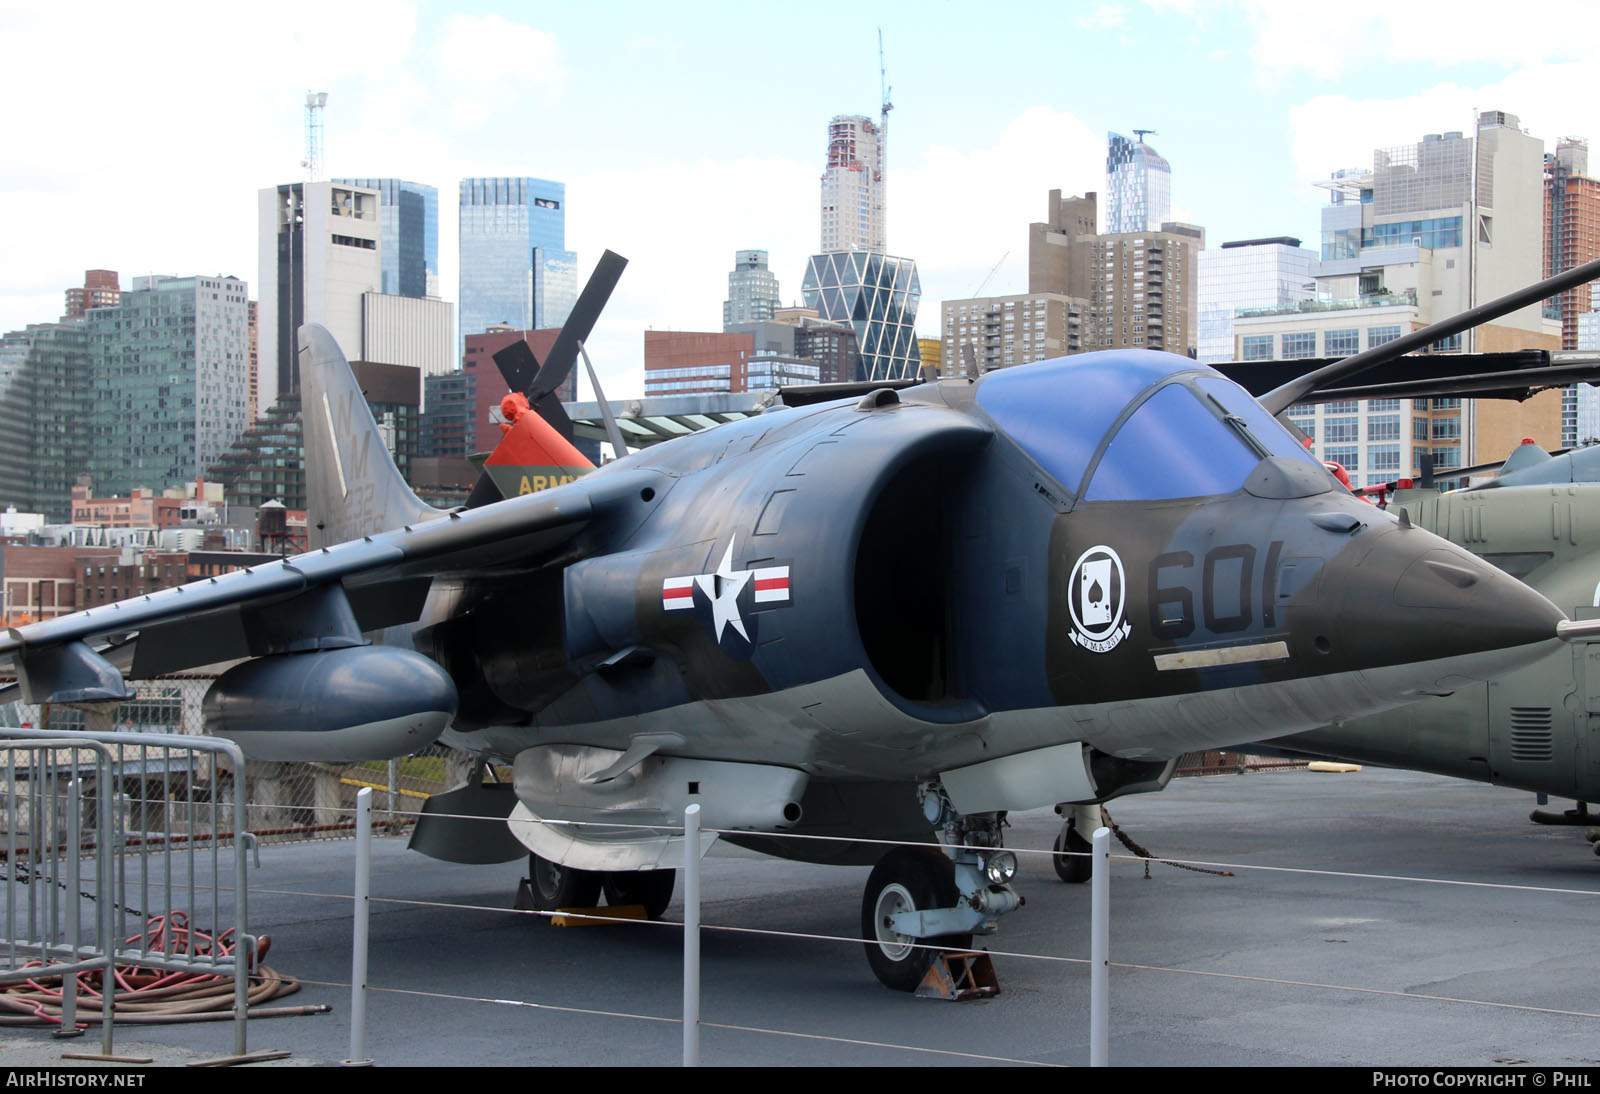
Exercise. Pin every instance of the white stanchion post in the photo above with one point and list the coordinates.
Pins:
(69, 982)
(358, 954)
(1100, 950)
(691, 936)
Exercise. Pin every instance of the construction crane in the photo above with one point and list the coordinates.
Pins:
(1140, 134)
(884, 91)
(883, 87)
(979, 290)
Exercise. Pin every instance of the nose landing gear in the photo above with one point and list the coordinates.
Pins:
(922, 900)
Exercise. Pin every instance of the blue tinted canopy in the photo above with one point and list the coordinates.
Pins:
(1135, 424)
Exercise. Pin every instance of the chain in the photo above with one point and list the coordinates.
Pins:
(1131, 844)
(27, 877)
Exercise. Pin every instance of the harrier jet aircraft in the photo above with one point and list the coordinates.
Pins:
(889, 617)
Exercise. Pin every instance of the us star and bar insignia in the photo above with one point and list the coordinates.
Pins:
(721, 591)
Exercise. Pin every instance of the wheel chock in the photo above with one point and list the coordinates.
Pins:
(577, 917)
(597, 917)
(959, 974)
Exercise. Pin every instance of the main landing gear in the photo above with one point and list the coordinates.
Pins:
(551, 886)
(925, 899)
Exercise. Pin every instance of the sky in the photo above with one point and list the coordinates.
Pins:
(138, 136)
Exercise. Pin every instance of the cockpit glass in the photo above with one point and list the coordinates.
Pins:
(1172, 447)
(1262, 426)
(1060, 410)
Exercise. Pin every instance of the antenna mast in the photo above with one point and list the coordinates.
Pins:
(315, 101)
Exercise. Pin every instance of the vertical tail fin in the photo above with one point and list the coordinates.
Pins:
(352, 485)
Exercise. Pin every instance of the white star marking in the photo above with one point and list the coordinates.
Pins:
(723, 589)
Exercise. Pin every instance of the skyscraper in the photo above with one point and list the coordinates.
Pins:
(515, 268)
(409, 235)
(1138, 186)
(321, 251)
(169, 369)
(853, 206)
(752, 290)
(318, 257)
(876, 294)
(853, 281)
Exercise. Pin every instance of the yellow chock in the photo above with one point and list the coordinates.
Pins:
(959, 974)
(596, 917)
(1333, 766)
(578, 917)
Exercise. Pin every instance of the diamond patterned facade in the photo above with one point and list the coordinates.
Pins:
(878, 296)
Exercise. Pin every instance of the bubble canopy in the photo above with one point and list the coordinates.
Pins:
(1135, 424)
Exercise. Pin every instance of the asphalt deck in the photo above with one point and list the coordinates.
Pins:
(1260, 968)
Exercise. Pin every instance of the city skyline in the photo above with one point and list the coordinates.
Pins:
(442, 93)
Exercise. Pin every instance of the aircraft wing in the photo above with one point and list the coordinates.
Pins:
(323, 598)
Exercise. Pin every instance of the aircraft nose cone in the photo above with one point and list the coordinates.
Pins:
(1408, 596)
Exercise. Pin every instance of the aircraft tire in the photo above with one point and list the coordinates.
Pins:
(1074, 869)
(650, 888)
(906, 879)
(555, 886)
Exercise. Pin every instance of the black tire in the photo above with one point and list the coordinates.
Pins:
(906, 879)
(555, 886)
(651, 888)
(1074, 869)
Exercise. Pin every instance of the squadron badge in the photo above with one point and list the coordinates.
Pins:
(1096, 594)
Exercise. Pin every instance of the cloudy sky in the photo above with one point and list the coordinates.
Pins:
(137, 136)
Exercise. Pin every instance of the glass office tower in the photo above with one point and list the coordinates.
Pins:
(408, 237)
(515, 267)
(1138, 187)
(878, 296)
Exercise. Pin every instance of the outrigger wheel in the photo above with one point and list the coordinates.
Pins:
(907, 879)
(1077, 867)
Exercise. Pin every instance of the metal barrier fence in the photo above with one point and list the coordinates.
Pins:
(106, 833)
(1099, 962)
(392, 981)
